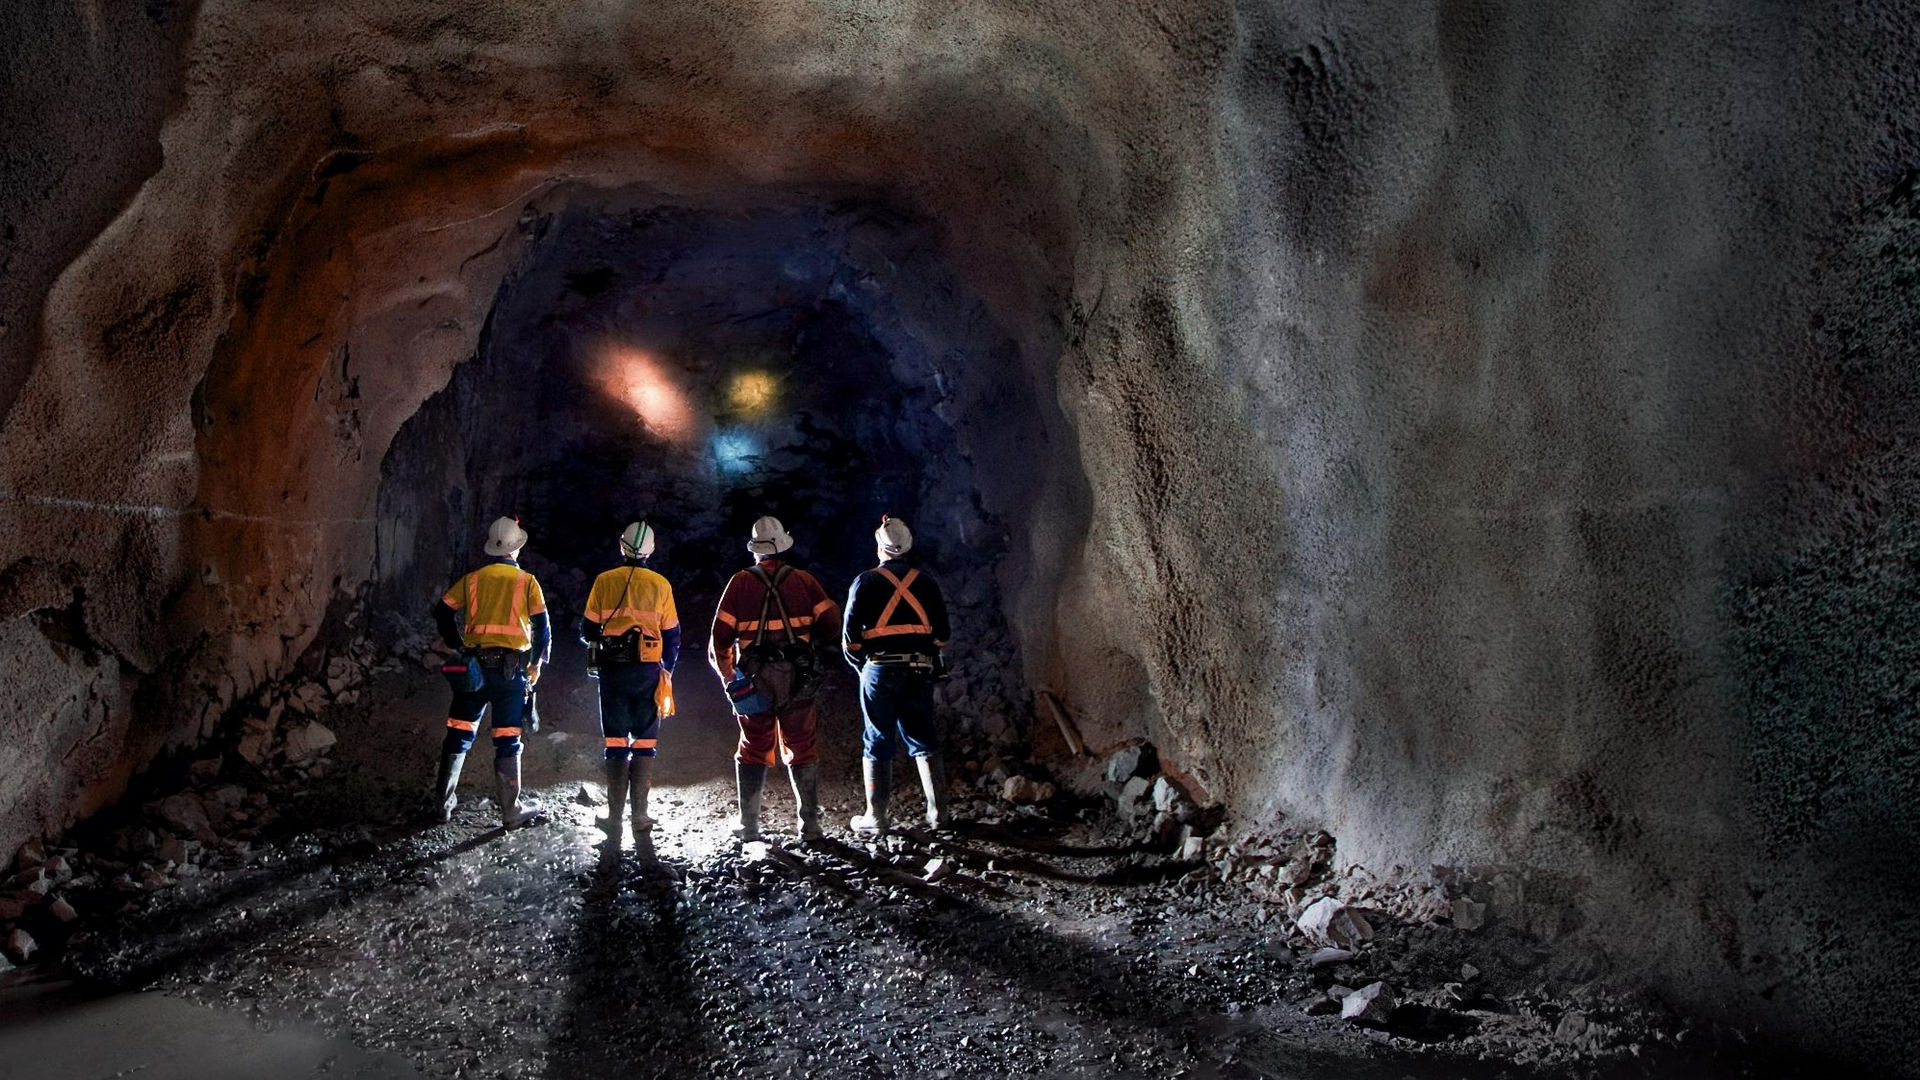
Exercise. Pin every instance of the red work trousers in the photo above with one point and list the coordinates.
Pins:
(789, 729)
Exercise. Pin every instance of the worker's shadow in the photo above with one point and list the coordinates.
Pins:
(182, 934)
(631, 1007)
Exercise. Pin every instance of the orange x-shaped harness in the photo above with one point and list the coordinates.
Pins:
(901, 592)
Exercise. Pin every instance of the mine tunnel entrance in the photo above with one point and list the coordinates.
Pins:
(700, 367)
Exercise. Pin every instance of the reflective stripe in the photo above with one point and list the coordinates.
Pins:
(520, 628)
(882, 627)
(722, 616)
(645, 744)
(506, 733)
(797, 623)
(618, 742)
(822, 607)
(463, 725)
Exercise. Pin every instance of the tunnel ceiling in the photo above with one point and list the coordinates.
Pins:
(1447, 421)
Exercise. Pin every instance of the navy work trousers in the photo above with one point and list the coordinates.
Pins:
(505, 695)
(896, 701)
(629, 714)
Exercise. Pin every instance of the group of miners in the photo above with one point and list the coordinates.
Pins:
(768, 638)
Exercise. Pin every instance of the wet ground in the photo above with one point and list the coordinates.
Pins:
(1024, 944)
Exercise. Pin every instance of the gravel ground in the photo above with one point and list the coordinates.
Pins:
(1026, 943)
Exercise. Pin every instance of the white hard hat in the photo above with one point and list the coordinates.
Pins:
(893, 537)
(505, 537)
(636, 540)
(769, 537)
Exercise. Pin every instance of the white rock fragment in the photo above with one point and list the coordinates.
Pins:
(1372, 1003)
(1123, 764)
(308, 742)
(1166, 797)
(62, 910)
(1019, 789)
(1131, 801)
(21, 946)
(1329, 955)
(1330, 922)
(1468, 914)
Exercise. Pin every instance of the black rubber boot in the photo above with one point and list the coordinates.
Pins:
(446, 789)
(640, 773)
(616, 796)
(752, 782)
(878, 778)
(506, 777)
(933, 782)
(806, 795)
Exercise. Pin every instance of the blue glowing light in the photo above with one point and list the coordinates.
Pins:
(734, 451)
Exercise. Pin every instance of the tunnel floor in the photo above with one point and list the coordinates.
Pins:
(1042, 945)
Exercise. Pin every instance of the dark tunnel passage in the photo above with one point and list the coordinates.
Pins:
(699, 369)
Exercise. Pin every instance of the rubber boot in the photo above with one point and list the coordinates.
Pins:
(933, 782)
(641, 774)
(616, 796)
(806, 795)
(878, 778)
(446, 789)
(506, 777)
(752, 782)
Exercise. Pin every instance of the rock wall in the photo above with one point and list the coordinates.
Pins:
(1477, 427)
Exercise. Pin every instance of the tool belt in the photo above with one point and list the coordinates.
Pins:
(916, 661)
(624, 649)
(511, 661)
(798, 654)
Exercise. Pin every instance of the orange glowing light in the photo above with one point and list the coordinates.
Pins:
(648, 387)
(752, 392)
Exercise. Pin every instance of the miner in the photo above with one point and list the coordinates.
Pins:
(896, 625)
(632, 633)
(764, 649)
(495, 620)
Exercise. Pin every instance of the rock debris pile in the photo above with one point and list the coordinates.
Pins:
(221, 803)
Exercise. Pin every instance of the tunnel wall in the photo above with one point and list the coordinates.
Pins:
(1475, 421)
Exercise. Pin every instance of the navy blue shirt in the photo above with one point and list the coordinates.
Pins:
(894, 608)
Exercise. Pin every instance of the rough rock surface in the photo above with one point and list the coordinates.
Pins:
(1485, 430)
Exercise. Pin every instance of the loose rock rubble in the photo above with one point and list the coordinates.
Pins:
(1071, 925)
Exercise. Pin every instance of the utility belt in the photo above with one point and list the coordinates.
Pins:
(916, 661)
(627, 649)
(467, 674)
(511, 661)
(797, 654)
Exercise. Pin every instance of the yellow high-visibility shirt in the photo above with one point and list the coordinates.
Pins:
(633, 598)
(497, 604)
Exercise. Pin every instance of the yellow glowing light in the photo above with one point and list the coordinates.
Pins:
(649, 389)
(752, 392)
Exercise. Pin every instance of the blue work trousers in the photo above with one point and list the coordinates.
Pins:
(896, 701)
(504, 694)
(629, 714)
